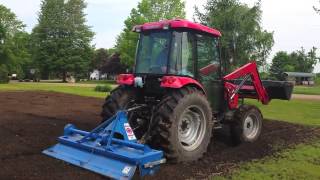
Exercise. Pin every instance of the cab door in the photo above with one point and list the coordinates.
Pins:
(208, 69)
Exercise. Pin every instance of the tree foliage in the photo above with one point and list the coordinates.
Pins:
(3, 74)
(9, 22)
(317, 9)
(243, 38)
(113, 65)
(61, 40)
(146, 11)
(14, 43)
(100, 57)
(297, 61)
(280, 63)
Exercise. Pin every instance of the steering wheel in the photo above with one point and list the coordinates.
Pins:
(155, 69)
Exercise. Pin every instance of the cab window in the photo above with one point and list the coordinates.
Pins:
(181, 62)
(207, 57)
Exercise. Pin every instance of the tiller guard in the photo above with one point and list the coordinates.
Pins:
(99, 151)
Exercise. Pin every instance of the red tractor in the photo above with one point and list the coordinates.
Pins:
(181, 92)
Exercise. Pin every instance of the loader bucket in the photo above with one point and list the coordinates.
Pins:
(100, 152)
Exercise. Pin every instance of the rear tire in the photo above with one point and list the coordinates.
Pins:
(123, 98)
(184, 125)
(247, 125)
(118, 99)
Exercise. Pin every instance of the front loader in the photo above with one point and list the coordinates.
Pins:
(178, 93)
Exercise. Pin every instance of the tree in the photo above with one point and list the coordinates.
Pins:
(304, 62)
(113, 65)
(243, 38)
(21, 56)
(280, 64)
(298, 61)
(14, 43)
(100, 57)
(47, 36)
(9, 22)
(3, 74)
(146, 11)
(61, 40)
(9, 26)
(316, 9)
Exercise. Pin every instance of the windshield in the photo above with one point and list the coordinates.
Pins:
(153, 52)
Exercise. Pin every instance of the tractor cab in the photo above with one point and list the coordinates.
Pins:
(179, 48)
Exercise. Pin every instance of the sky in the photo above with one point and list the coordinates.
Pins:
(294, 22)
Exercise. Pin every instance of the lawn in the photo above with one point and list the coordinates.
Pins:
(98, 82)
(313, 90)
(302, 162)
(299, 162)
(77, 89)
(294, 111)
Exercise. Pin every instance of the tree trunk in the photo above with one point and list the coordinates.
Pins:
(64, 76)
(45, 73)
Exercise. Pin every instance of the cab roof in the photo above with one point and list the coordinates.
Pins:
(176, 24)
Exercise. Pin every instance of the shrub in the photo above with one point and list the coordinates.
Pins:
(4, 74)
(103, 88)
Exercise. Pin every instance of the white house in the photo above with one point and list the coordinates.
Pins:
(95, 75)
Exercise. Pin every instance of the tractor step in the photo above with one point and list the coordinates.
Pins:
(100, 152)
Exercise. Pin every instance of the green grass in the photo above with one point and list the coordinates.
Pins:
(98, 82)
(302, 162)
(54, 87)
(313, 90)
(294, 111)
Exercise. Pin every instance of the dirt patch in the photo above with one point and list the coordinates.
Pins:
(31, 122)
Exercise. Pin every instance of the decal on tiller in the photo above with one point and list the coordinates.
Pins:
(129, 132)
(126, 170)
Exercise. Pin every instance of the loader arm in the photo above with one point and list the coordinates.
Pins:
(232, 89)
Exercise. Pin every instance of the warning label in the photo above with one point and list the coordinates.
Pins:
(126, 170)
(129, 132)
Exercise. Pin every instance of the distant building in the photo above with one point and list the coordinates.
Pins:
(14, 77)
(97, 75)
(300, 78)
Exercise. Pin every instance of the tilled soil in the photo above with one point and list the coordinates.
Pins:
(31, 122)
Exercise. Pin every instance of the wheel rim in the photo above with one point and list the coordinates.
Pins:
(251, 126)
(191, 128)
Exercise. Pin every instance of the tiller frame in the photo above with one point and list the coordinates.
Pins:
(100, 151)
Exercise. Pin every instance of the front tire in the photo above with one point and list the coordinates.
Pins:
(247, 125)
(184, 125)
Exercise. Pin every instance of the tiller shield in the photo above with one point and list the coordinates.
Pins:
(111, 149)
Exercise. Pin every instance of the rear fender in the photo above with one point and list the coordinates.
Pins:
(177, 82)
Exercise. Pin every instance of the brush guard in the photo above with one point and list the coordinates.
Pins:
(101, 152)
